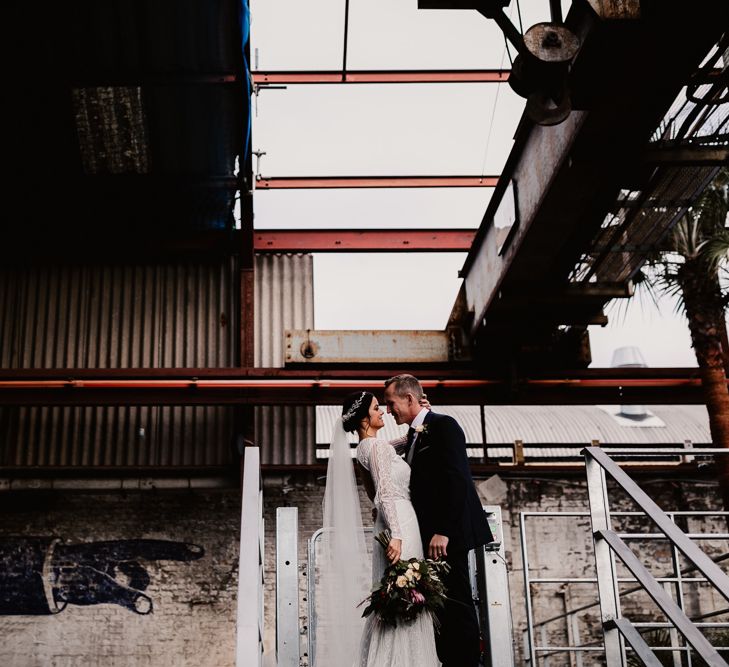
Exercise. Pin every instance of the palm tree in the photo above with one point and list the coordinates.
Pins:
(693, 267)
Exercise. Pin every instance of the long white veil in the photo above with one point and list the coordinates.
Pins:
(345, 570)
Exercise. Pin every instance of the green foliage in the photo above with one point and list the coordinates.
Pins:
(699, 243)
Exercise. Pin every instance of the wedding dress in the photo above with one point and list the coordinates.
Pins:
(411, 643)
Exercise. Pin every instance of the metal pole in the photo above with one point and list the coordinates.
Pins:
(532, 658)
(311, 597)
(607, 584)
(249, 620)
(287, 587)
(495, 601)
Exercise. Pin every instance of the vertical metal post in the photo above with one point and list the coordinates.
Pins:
(607, 581)
(311, 595)
(676, 561)
(573, 631)
(543, 641)
(249, 620)
(527, 589)
(287, 587)
(492, 579)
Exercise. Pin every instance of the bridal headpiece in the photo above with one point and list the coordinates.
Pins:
(353, 408)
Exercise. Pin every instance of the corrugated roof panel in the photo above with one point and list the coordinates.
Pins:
(553, 425)
(284, 299)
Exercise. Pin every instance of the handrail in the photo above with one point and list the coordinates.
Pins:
(703, 563)
(674, 613)
(687, 570)
(634, 638)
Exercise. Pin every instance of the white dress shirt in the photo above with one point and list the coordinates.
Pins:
(418, 421)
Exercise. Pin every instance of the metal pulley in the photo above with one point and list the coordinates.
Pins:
(539, 73)
(551, 43)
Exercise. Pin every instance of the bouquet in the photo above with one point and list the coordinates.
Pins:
(408, 588)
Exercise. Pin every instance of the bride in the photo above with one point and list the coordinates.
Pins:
(343, 637)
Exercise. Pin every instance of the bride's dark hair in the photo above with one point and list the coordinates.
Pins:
(355, 408)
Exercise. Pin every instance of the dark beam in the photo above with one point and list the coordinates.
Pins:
(374, 240)
(325, 182)
(704, 156)
(289, 387)
(382, 76)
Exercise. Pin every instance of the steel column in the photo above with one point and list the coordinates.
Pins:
(249, 618)
(287, 587)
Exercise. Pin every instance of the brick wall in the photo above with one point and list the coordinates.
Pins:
(193, 588)
(192, 622)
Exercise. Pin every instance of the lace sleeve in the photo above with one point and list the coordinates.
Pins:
(399, 444)
(381, 455)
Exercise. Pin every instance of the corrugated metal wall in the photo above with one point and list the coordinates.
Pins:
(284, 300)
(117, 436)
(118, 316)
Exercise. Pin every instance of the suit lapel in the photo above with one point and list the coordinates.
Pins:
(422, 438)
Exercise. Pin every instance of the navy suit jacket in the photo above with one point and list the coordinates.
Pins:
(442, 489)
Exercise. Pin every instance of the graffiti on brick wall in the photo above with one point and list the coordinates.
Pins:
(42, 575)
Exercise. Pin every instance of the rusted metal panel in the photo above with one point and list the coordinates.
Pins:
(382, 76)
(318, 346)
(616, 9)
(485, 267)
(111, 128)
(376, 240)
(324, 182)
(284, 298)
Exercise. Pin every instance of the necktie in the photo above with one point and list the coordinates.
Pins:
(411, 437)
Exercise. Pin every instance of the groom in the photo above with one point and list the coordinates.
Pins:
(451, 519)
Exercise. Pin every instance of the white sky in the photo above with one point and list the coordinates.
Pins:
(386, 130)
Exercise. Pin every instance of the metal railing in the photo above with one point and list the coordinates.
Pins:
(609, 544)
(249, 619)
(536, 633)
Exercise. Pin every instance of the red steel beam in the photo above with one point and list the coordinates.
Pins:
(324, 182)
(304, 387)
(375, 240)
(383, 76)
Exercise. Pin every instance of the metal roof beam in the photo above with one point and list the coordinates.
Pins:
(373, 240)
(327, 182)
(381, 76)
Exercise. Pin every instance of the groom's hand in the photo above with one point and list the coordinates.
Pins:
(438, 547)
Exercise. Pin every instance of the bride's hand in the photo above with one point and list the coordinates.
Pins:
(394, 549)
(424, 402)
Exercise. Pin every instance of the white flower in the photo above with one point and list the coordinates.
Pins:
(415, 565)
(409, 574)
(401, 581)
(420, 429)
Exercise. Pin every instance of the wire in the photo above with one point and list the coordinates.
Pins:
(496, 98)
(493, 114)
